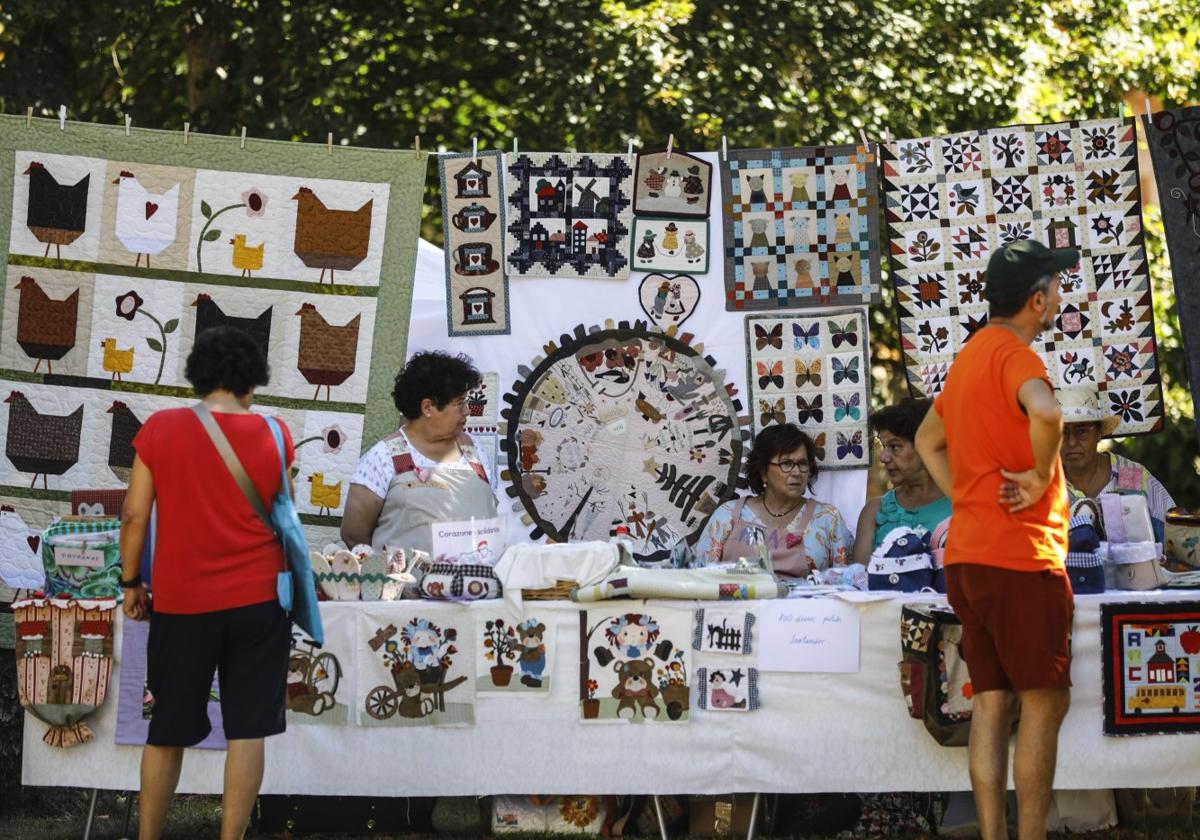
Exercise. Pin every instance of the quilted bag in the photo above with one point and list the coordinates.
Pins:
(1133, 555)
(82, 557)
(1085, 564)
(902, 562)
(454, 582)
(933, 674)
(64, 650)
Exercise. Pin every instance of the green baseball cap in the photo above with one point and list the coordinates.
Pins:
(1014, 268)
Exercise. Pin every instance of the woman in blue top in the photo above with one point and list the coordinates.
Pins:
(914, 499)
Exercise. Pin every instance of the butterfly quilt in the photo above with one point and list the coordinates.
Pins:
(801, 227)
(951, 201)
(812, 370)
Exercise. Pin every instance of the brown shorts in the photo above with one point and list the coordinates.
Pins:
(1016, 626)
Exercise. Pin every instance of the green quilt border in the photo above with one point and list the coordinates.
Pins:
(403, 171)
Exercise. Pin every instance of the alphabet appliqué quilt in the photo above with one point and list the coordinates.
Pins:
(801, 227)
(568, 215)
(813, 370)
(121, 248)
(950, 201)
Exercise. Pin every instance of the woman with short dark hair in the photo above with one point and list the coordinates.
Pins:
(800, 533)
(429, 470)
(214, 579)
(914, 501)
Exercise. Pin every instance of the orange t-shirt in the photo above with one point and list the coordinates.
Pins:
(986, 431)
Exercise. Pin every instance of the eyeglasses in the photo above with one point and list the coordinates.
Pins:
(788, 465)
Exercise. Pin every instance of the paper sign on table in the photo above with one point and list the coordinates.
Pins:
(818, 635)
(470, 541)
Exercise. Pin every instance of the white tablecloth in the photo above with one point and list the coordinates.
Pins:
(815, 732)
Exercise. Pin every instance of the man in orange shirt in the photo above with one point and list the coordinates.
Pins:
(992, 444)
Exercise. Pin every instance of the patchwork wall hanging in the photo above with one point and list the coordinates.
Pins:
(801, 227)
(723, 631)
(473, 231)
(621, 425)
(64, 663)
(1151, 667)
(135, 702)
(672, 184)
(634, 665)
(670, 245)
(1175, 152)
(413, 671)
(514, 656)
(950, 201)
(813, 370)
(320, 680)
(568, 215)
(483, 417)
(728, 689)
(121, 248)
(668, 299)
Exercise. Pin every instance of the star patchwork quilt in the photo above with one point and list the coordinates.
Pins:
(950, 201)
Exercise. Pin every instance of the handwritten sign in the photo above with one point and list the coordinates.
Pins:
(473, 541)
(90, 558)
(817, 635)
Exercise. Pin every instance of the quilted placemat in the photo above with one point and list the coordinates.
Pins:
(473, 242)
(122, 247)
(950, 201)
(672, 184)
(1174, 141)
(568, 215)
(1151, 667)
(813, 370)
(801, 227)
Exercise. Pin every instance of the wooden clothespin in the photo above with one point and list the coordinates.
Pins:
(862, 135)
(629, 153)
(724, 148)
(329, 144)
(670, 145)
(1146, 100)
(243, 137)
(62, 117)
(29, 117)
(417, 146)
(474, 150)
(514, 146)
(128, 123)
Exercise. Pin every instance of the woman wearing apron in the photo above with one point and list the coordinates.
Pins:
(428, 471)
(801, 533)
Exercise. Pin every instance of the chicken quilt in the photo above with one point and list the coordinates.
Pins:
(123, 247)
(950, 201)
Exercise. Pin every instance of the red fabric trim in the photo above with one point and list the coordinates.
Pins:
(95, 628)
(33, 628)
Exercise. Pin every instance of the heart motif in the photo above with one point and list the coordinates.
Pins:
(151, 209)
(668, 299)
(34, 542)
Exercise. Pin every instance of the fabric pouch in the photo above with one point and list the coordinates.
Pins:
(1085, 565)
(452, 582)
(902, 562)
(1136, 565)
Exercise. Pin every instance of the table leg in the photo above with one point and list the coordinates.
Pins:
(128, 811)
(752, 829)
(87, 826)
(662, 820)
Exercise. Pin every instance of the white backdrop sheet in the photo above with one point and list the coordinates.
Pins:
(814, 732)
(544, 309)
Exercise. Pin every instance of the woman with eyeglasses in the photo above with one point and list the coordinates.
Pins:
(914, 500)
(801, 533)
(430, 469)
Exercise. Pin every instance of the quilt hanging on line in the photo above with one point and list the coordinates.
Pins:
(950, 201)
(1151, 667)
(568, 214)
(473, 225)
(122, 248)
(1174, 141)
(801, 227)
(813, 370)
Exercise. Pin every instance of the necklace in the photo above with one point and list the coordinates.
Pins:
(785, 513)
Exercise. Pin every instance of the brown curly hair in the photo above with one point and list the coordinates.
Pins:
(771, 443)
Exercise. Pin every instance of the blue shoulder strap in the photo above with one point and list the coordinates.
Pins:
(284, 484)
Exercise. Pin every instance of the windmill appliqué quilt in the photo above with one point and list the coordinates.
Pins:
(568, 215)
(801, 227)
(950, 201)
(122, 248)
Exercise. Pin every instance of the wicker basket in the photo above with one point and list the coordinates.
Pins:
(561, 591)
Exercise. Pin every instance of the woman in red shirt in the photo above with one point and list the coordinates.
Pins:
(215, 564)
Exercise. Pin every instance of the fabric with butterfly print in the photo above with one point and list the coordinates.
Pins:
(817, 380)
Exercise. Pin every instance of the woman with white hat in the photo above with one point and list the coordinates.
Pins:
(1091, 472)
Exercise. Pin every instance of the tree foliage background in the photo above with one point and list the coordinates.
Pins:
(593, 74)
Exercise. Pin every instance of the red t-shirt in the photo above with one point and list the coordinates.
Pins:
(986, 431)
(211, 550)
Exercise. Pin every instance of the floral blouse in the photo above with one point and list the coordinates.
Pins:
(827, 540)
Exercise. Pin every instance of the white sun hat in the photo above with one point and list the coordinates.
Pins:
(1082, 405)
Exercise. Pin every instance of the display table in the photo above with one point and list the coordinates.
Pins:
(814, 732)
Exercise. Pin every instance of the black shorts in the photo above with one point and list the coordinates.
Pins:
(248, 649)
